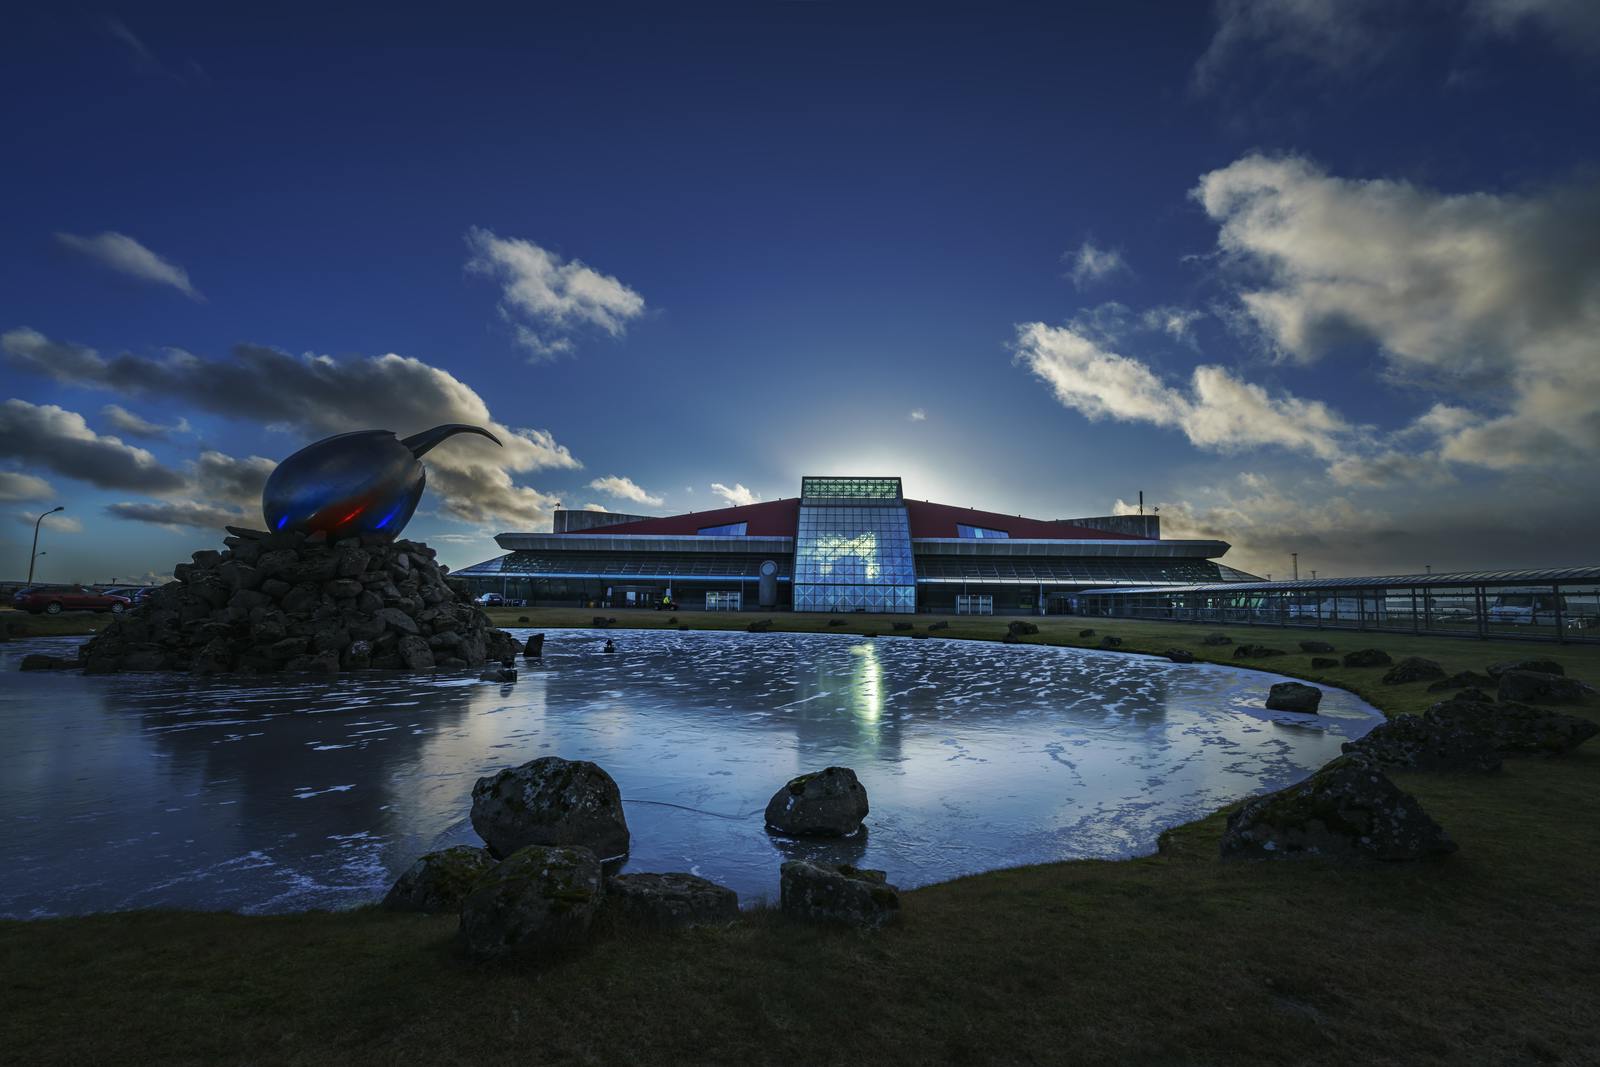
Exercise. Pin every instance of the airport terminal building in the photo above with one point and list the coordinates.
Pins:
(843, 545)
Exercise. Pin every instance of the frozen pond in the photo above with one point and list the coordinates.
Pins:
(165, 791)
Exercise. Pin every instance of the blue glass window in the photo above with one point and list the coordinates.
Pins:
(854, 557)
(732, 529)
(978, 531)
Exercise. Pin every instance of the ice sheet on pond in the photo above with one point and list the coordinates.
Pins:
(280, 794)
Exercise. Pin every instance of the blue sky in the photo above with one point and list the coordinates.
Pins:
(1318, 277)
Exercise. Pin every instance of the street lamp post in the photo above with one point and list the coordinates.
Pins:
(33, 555)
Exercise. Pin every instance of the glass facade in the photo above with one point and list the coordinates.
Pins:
(852, 557)
(851, 490)
(963, 530)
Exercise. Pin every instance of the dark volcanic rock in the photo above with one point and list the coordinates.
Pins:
(1426, 744)
(1108, 641)
(1085, 633)
(1471, 732)
(825, 892)
(1347, 809)
(1462, 680)
(550, 801)
(1323, 662)
(38, 661)
(1537, 666)
(1413, 669)
(667, 900)
(1294, 696)
(1315, 646)
(439, 881)
(1021, 628)
(1367, 657)
(1535, 688)
(538, 899)
(1514, 728)
(826, 803)
(285, 602)
(1179, 655)
(1256, 652)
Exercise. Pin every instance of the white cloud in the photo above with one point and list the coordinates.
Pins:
(1217, 411)
(174, 514)
(1091, 264)
(918, 415)
(15, 485)
(544, 297)
(625, 489)
(1329, 35)
(1175, 322)
(596, 507)
(1349, 37)
(58, 522)
(127, 422)
(1494, 298)
(60, 440)
(736, 495)
(315, 396)
(1574, 24)
(123, 254)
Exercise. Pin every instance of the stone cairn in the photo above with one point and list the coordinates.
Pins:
(301, 603)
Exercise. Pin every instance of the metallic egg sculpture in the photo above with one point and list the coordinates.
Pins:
(367, 482)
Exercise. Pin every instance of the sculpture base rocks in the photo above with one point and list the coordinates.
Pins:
(297, 603)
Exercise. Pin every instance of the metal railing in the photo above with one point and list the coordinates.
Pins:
(1563, 610)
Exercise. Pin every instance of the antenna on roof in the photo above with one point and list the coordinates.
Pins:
(1141, 501)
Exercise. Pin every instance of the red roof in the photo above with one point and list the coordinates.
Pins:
(940, 520)
(771, 518)
(781, 518)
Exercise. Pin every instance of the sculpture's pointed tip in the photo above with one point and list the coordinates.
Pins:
(420, 443)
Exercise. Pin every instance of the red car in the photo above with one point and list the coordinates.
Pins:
(69, 598)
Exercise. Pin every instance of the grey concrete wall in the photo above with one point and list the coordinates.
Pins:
(568, 521)
(1147, 526)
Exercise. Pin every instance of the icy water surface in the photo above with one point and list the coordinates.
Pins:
(165, 791)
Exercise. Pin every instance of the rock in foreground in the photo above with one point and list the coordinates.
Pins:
(826, 803)
(1294, 696)
(1413, 669)
(824, 892)
(550, 801)
(1537, 666)
(1420, 742)
(1513, 728)
(537, 899)
(1348, 809)
(1538, 688)
(439, 881)
(1315, 646)
(670, 900)
(298, 604)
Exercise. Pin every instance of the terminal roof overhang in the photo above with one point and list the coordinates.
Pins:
(771, 527)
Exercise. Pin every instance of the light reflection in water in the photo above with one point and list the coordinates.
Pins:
(868, 686)
(160, 790)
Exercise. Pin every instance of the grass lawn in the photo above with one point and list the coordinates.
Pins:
(67, 624)
(1489, 956)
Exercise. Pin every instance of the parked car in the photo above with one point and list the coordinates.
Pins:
(44, 601)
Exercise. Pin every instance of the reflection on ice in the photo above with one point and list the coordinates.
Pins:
(256, 795)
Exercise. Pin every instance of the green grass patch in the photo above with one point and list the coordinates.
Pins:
(1488, 956)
